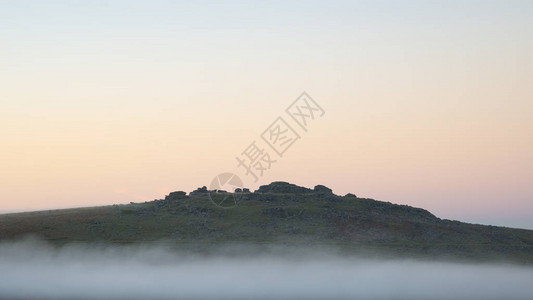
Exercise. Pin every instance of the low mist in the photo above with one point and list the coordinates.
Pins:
(32, 269)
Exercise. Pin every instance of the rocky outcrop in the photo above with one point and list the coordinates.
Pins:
(199, 191)
(323, 189)
(282, 187)
(176, 195)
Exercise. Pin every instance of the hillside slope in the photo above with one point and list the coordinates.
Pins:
(279, 213)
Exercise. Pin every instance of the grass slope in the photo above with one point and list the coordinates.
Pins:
(278, 214)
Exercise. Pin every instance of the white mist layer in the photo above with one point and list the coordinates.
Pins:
(31, 269)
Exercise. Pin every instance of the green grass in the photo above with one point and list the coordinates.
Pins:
(352, 224)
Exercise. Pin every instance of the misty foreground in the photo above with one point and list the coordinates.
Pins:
(33, 269)
(282, 241)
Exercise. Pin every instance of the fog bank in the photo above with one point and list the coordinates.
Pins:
(33, 269)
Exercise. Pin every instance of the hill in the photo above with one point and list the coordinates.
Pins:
(278, 213)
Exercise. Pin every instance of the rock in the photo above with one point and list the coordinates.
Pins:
(322, 189)
(199, 191)
(176, 195)
(282, 187)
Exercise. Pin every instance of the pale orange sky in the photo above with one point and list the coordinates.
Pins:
(426, 104)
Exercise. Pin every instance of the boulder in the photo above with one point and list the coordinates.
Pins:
(199, 191)
(282, 187)
(176, 195)
(322, 189)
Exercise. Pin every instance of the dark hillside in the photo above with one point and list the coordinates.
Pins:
(279, 213)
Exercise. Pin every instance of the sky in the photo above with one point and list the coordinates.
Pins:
(426, 103)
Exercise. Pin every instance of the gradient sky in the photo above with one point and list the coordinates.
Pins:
(427, 103)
